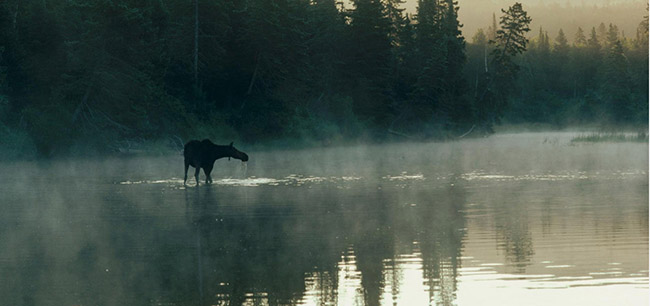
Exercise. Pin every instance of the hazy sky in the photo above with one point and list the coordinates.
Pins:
(411, 4)
(551, 14)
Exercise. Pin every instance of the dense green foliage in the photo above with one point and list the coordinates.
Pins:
(107, 74)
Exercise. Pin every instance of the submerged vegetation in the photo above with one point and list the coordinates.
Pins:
(111, 75)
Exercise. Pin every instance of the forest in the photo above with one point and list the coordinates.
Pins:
(101, 76)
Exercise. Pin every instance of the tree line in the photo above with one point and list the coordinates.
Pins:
(601, 77)
(105, 74)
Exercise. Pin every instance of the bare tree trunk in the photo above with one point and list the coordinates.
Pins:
(485, 58)
(15, 19)
(250, 85)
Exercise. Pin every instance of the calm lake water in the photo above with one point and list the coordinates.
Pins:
(513, 219)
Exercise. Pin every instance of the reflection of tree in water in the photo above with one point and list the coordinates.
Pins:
(268, 251)
(442, 224)
(514, 235)
(251, 256)
(271, 254)
(372, 238)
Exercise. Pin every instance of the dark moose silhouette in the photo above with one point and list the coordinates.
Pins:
(202, 154)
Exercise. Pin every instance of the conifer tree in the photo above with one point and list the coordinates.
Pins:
(617, 84)
(612, 36)
(454, 104)
(370, 58)
(327, 28)
(593, 44)
(642, 32)
(560, 62)
(492, 29)
(431, 57)
(602, 32)
(477, 53)
(593, 60)
(561, 46)
(580, 40)
(543, 45)
(510, 41)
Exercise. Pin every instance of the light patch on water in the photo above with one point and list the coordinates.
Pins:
(172, 181)
(290, 180)
(405, 284)
(567, 176)
(404, 176)
(526, 177)
(606, 273)
(350, 178)
(495, 264)
(249, 182)
(349, 284)
(475, 289)
(525, 276)
(478, 175)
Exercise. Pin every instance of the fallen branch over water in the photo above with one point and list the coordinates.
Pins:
(468, 132)
(399, 134)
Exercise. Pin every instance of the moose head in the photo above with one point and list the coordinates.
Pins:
(231, 151)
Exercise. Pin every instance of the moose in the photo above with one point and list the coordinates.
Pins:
(203, 154)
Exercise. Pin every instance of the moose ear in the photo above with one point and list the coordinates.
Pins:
(231, 144)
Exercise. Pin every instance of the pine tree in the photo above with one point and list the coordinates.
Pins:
(561, 47)
(560, 62)
(492, 30)
(578, 65)
(580, 39)
(480, 40)
(510, 41)
(642, 31)
(370, 59)
(431, 57)
(638, 64)
(602, 32)
(454, 105)
(405, 74)
(395, 14)
(612, 36)
(543, 45)
(617, 85)
(593, 61)
(593, 43)
(327, 28)
(477, 53)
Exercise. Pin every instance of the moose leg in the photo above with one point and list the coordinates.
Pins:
(187, 165)
(208, 178)
(196, 175)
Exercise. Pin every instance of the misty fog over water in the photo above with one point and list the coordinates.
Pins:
(513, 219)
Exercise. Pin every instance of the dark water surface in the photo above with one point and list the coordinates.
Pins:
(519, 219)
